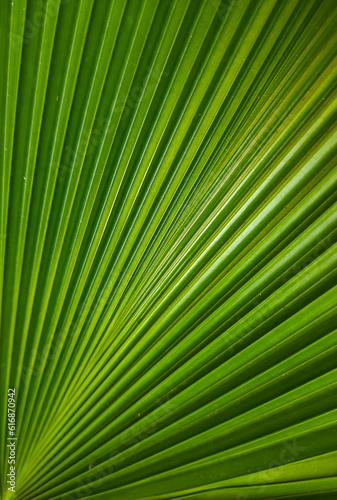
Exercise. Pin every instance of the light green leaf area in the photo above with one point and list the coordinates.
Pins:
(168, 249)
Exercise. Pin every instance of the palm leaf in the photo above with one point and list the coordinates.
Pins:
(168, 249)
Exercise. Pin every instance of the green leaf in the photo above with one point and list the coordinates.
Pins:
(168, 237)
